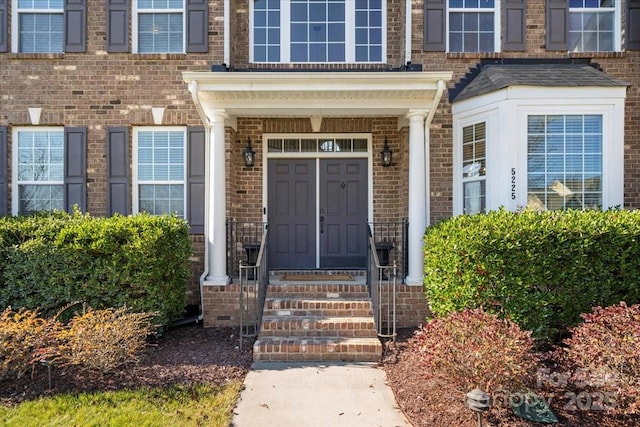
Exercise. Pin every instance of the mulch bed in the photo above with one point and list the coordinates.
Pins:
(193, 355)
(429, 404)
(183, 356)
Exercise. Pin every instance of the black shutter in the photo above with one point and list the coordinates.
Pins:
(557, 24)
(196, 179)
(633, 24)
(197, 26)
(515, 18)
(75, 168)
(75, 25)
(4, 23)
(118, 170)
(434, 26)
(118, 25)
(4, 189)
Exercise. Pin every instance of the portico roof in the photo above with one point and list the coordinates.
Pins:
(314, 93)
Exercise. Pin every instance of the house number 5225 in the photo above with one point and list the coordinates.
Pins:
(513, 183)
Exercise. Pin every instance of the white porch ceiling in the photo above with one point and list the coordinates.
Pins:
(306, 94)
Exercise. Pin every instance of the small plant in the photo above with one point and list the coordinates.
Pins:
(605, 349)
(472, 348)
(25, 338)
(105, 340)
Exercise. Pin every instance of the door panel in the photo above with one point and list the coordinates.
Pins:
(343, 213)
(292, 213)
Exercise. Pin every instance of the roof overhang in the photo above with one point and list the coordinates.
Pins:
(307, 94)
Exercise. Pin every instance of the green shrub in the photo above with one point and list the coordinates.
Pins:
(104, 340)
(471, 348)
(540, 269)
(605, 349)
(48, 261)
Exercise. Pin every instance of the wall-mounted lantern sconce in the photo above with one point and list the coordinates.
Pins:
(386, 155)
(249, 155)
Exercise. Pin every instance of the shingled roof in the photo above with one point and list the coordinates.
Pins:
(489, 77)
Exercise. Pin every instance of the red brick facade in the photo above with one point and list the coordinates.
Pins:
(98, 90)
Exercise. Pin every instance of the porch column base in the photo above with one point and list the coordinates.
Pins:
(414, 280)
(216, 281)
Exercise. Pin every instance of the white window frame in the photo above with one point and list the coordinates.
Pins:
(135, 27)
(561, 186)
(15, 24)
(481, 176)
(612, 153)
(350, 40)
(497, 30)
(15, 188)
(617, 27)
(506, 113)
(135, 187)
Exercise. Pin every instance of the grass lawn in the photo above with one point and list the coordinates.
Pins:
(197, 405)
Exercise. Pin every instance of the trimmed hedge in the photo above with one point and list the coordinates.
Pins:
(50, 260)
(540, 269)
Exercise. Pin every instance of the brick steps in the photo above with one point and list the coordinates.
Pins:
(317, 322)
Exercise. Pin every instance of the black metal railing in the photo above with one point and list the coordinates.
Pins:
(243, 243)
(392, 244)
(383, 281)
(253, 278)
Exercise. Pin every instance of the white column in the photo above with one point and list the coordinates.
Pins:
(417, 197)
(217, 209)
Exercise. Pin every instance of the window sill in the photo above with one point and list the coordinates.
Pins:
(36, 56)
(620, 54)
(159, 56)
(474, 55)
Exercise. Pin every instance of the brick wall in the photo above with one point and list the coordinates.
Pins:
(99, 89)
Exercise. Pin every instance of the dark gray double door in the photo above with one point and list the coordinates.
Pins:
(317, 213)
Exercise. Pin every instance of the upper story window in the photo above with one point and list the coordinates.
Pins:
(159, 26)
(474, 168)
(39, 173)
(318, 31)
(159, 161)
(40, 26)
(473, 25)
(564, 161)
(594, 25)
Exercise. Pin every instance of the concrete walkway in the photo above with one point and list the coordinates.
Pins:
(317, 394)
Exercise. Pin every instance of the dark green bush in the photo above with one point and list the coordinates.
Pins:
(48, 261)
(541, 269)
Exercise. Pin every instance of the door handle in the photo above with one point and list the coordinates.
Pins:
(321, 224)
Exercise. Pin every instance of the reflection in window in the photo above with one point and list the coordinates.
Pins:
(160, 26)
(40, 170)
(592, 25)
(474, 168)
(472, 25)
(40, 26)
(318, 31)
(317, 145)
(564, 162)
(161, 172)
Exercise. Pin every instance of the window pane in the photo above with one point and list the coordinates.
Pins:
(40, 32)
(359, 145)
(561, 178)
(591, 31)
(274, 145)
(34, 198)
(474, 194)
(160, 32)
(336, 52)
